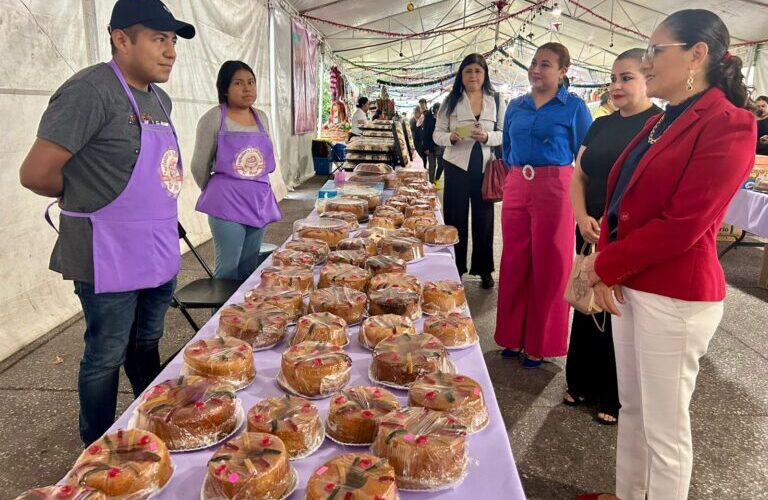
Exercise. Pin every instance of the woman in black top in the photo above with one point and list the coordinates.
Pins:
(591, 366)
(762, 125)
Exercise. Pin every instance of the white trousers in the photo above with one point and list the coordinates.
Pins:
(658, 342)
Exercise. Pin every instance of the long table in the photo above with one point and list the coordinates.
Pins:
(749, 211)
(492, 471)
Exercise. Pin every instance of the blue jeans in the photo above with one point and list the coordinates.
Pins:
(237, 248)
(121, 329)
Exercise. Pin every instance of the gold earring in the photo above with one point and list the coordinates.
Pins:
(689, 82)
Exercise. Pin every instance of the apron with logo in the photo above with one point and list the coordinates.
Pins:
(136, 237)
(239, 189)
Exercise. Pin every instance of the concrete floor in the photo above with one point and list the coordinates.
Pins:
(560, 451)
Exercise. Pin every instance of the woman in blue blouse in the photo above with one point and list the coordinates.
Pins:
(543, 131)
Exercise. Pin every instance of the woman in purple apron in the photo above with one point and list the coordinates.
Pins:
(232, 162)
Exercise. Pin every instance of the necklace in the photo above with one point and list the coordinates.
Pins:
(654, 140)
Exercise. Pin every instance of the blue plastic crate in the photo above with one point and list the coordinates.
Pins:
(339, 151)
(322, 166)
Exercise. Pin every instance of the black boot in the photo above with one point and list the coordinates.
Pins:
(486, 281)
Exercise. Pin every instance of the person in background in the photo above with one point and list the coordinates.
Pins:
(670, 188)
(423, 105)
(377, 115)
(606, 106)
(231, 164)
(107, 149)
(359, 117)
(468, 125)
(416, 132)
(431, 150)
(590, 369)
(761, 104)
(543, 132)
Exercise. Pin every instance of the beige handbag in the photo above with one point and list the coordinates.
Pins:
(578, 293)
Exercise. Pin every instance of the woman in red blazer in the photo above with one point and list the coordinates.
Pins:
(667, 196)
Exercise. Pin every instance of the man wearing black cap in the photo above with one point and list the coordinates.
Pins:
(107, 149)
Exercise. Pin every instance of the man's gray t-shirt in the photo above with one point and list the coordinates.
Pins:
(90, 116)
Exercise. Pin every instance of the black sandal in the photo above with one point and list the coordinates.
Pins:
(577, 400)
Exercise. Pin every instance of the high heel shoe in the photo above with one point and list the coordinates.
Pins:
(486, 281)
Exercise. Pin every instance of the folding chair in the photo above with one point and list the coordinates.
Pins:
(204, 293)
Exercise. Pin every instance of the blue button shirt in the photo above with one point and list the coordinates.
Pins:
(550, 135)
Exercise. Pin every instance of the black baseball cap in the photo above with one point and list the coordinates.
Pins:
(151, 13)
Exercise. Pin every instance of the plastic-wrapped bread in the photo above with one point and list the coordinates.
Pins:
(377, 328)
(358, 476)
(452, 329)
(261, 325)
(383, 222)
(189, 412)
(299, 278)
(403, 247)
(353, 257)
(373, 233)
(347, 217)
(418, 211)
(353, 412)
(347, 303)
(289, 257)
(294, 420)
(331, 231)
(317, 248)
(380, 264)
(252, 465)
(337, 274)
(412, 173)
(395, 280)
(62, 492)
(427, 448)
(227, 358)
(400, 301)
(458, 395)
(130, 463)
(402, 359)
(315, 369)
(439, 234)
(352, 205)
(371, 196)
(289, 300)
(321, 327)
(443, 296)
(390, 213)
(419, 222)
(366, 244)
(373, 168)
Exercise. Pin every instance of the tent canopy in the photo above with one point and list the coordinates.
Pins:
(377, 40)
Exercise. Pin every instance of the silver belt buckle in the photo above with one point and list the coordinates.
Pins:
(528, 173)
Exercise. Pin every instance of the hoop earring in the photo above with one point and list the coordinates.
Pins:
(689, 82)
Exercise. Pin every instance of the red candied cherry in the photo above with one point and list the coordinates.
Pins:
(317, 362)
(120, 434)
(235, 320)
(231, 446)
(340, 400)
(376, 393)
(459, 378)
(249, 305)
(431, 395)
(258, 418)
(304, 321)
(221, 469)
(243, 347)
(196, 350)
(421, 440)
(267, 441)
(365, 463)
(216, 401)
(330, 486)
(199, 405)
(113, 472)
(65, 491)
(367, 414)
(94, 449)
(144, 440)
(451, 421)
(295, 348)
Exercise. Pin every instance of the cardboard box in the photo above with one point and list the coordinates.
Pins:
(729, 233)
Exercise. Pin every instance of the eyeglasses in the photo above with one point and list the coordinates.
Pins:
(654, 49)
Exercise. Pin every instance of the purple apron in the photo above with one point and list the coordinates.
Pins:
(239, 189)
(136, 237)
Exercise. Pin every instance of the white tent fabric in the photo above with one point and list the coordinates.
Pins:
(45, 42)
(761, 71)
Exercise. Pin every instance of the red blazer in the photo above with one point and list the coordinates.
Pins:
(676, 200)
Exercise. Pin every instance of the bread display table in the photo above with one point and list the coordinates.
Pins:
(749, 211)
(492, 472)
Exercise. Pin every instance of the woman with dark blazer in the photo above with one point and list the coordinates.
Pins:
(657, 255)
(590, 369)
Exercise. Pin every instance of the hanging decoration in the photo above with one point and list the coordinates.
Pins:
(416, 85)
(432, 32)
